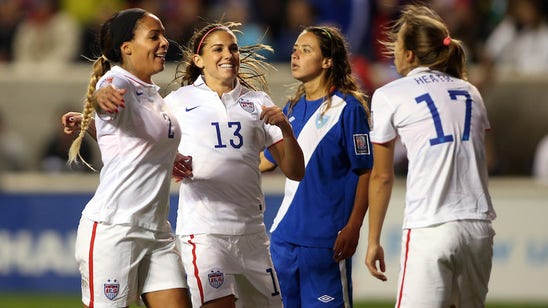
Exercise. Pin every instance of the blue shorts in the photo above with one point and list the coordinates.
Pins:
(309, 277)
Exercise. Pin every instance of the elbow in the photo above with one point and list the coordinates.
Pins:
(296, 175)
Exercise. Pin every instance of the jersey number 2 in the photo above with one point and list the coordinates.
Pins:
(453, 94)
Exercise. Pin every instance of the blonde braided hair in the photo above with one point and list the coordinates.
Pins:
(100, 67)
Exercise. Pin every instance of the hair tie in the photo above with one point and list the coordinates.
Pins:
(447, 41)
(206, 34)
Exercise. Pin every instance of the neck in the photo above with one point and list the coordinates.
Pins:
(220, 87)
(314, 90)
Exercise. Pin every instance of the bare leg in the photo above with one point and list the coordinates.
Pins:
(171, 298)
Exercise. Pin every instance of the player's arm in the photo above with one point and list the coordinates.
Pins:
(287, 153)
(380, 189)
(265, 165)
(347, 239)
(71, 122)
(106, 99)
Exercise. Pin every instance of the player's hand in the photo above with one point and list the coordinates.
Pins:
(182, 168)
(346, 243)
(71, 122)
(375, 253)
(108, 99)
(273, 115)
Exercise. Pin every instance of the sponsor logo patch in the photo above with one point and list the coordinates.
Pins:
(216, 278)
(361, 144)
(111, 289)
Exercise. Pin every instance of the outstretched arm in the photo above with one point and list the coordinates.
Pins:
(380, 189)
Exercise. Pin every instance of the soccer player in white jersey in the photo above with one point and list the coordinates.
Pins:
(317, 227)
(226, 124)
(447, 237)
(125, 248)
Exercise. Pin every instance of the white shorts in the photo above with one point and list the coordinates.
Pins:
(448, 264)
(221, 265)
(118, 263)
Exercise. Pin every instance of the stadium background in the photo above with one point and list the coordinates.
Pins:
(39, 211)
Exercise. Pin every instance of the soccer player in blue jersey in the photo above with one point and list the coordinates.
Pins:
(316, 230)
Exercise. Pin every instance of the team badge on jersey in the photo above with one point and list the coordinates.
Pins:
(361, 144)
(216, 278)
(321, 120)
(105, 81)
(111, 289)
(248, 106)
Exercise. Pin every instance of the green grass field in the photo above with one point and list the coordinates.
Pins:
(61, 301)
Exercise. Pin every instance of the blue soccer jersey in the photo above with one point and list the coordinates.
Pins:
(335, 146)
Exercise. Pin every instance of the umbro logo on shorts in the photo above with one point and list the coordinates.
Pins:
(325, 298)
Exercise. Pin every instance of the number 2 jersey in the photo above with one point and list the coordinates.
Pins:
(441, 121)
(224, 135)
(138, 146)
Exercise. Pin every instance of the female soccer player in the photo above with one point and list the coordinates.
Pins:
(125, 248)
(447, 239)
(317, 228)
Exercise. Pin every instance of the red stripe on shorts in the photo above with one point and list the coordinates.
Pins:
(90, 262)
(404, 265)
(196, 271)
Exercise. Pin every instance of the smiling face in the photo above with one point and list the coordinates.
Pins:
(145, 54)
(219, 59)
(307, 61)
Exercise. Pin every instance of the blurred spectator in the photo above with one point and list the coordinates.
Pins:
(55, 152)
(10, 16)
(298, 15)
(89, 14)
(47, 38)
(253, 32)
(180, 18)
(519, 43)
(13, 151)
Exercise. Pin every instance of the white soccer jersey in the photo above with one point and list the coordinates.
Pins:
(138, 147)
(224, 136)
(441, 121)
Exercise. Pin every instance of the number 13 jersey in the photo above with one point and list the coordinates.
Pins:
(224, 135)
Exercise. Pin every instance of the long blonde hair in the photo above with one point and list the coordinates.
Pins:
(115, 31)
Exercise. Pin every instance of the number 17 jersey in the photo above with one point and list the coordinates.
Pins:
(441, 121)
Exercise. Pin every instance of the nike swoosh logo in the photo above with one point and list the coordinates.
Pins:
(191, 108)
(138, 93)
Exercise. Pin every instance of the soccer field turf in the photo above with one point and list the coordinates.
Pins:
(24, 300)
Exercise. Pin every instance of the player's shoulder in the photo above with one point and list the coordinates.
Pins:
(258, 97)
(116, 78)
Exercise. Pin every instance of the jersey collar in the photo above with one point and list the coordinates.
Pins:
(418, 70)
(234, 94)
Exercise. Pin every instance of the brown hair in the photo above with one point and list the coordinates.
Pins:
(426, 35)
(339, 75)
(115, 31)
(252, 64)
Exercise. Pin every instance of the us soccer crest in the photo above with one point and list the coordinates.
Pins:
(111, 289)
(247, 105)
(216, 278)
